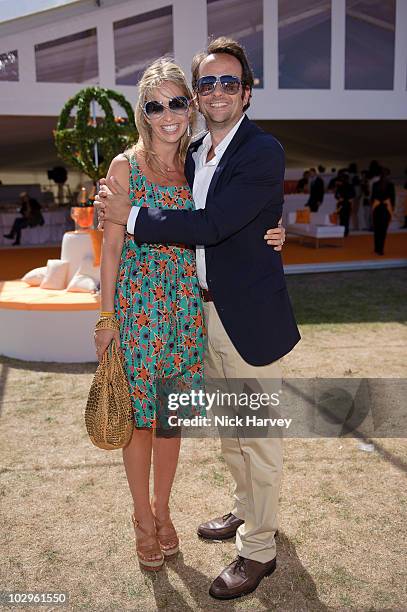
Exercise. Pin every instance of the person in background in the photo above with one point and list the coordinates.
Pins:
(354, 180)
(31, 216)
(344, 194)
(302, 185)
(365, 198)
(332, 182)
(405, 208)
(383, 202)
(316, 191)
(374, 173)
(375, 169)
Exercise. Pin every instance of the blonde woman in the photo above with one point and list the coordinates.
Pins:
(154, 293)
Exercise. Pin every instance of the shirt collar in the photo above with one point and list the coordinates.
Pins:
(222, 146)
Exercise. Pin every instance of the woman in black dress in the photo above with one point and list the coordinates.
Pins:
(344, 194)
(383, 202)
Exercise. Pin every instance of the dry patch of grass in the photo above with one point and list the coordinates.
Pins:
(66, 506)
(371, 350)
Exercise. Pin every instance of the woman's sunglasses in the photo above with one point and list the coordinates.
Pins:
(230, 84)
(178, 105)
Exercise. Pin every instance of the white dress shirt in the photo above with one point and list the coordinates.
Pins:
(204, 171)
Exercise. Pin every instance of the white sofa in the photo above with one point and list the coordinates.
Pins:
(320, 228)
(56, 223)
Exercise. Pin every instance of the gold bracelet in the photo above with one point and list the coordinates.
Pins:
(107, 313)
(107, 323)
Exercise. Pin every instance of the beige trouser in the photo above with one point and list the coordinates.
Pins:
(255, 463)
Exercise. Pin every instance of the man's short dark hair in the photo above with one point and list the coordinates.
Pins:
(230, 47)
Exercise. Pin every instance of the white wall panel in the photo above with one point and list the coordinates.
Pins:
(27, 97)
(400, 51)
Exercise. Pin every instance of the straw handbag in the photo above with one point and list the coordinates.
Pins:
(108, 414)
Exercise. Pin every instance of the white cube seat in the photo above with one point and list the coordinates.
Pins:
(320, 228)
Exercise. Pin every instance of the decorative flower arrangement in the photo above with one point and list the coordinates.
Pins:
(112, 135)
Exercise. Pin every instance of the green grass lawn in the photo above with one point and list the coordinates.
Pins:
(350, 297)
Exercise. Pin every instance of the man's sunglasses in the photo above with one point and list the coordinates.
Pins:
(229, 84)
(178, 105)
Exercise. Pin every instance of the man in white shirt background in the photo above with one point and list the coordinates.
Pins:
(236, 172)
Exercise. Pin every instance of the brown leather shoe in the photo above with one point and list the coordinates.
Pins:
(241, 577)
(221, 528)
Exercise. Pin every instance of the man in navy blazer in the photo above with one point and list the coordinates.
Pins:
(244, 276)
(236, 172)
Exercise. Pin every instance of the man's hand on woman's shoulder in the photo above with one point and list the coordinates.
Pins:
(112, 201)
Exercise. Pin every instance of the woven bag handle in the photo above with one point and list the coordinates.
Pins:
(114, 359)
(109, 360)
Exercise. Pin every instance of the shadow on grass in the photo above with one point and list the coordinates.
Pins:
(4, 370)
(349, 297)
(396, 461)
(291, 587)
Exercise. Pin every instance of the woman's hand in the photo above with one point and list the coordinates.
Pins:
(103, 338)
(276, 237)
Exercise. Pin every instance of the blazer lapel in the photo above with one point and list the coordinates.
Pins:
(189, 168)
(189, 161)
(244, 129)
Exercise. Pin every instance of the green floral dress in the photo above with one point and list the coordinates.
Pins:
(159, 307)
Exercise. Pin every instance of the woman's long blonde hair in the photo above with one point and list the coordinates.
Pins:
(161, 71)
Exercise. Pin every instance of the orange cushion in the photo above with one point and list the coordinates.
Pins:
(96, 237)
(303, 215)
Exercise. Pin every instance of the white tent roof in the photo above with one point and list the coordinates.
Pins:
(10, 9)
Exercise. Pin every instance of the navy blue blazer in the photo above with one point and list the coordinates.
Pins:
(244, 274)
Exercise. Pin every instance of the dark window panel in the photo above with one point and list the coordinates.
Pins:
(71, 59)
(140, 40)
(304, 44)
(242, 21)
(370, 33)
